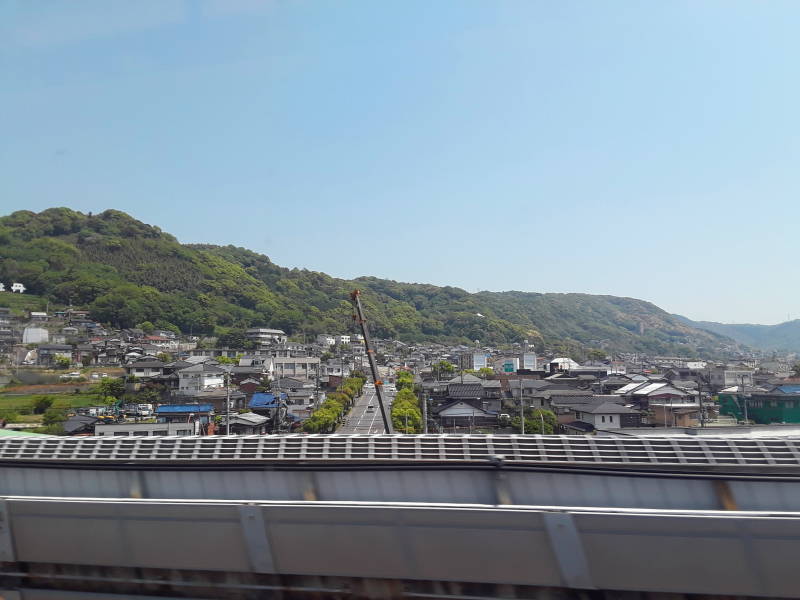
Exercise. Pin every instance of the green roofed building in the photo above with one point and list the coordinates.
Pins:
(781, 404)
(13, 433)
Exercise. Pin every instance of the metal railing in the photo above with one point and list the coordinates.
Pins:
(510, 449)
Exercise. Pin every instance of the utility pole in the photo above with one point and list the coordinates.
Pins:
(424, 413)
(227, 402)
(521, 409)
(744, 401)
(355, 297)
(424, 405)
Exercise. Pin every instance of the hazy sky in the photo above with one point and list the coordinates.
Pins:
(644, 149)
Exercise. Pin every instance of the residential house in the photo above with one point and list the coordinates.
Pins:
(265, 336)
(211, 353)
(674, 416)
(482, 394)
(47, 354)
(302, 402)
(460, 413)
(248, 423)
(723, 377)
(334, 367)
(80, 425)
(200, 377)
(217, 398)
(199, 414)
(604, 414)
(249, 386)
(255, 367)
(611, 383)
(561, 364)
(304, 367)
(145, 368)
(264, 403)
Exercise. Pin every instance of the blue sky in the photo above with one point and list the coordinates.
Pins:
(644, 149)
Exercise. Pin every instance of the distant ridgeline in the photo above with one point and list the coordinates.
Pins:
(127, 272)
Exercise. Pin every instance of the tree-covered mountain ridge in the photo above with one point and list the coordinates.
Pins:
(782, 337)
(126, 272)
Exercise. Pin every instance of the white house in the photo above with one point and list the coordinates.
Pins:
(727, 376)
(562, 364)
(304, 367)
(200, 377)
(263, 335)
(145, 368)
(342, 339)
(335, 367)
(607, 415)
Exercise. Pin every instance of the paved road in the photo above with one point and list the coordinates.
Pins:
(361, 420)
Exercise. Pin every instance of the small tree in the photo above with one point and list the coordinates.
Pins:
(534, 417)
(111, 387)
(596, 354)
(62, 362)
(86, 360)
(41, 404)
(404, 380)
(53, 416)
(444, 368)
(52, 429)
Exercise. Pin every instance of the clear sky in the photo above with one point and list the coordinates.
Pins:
(644, 149)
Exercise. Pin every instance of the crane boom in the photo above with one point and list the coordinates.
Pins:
(358, 317)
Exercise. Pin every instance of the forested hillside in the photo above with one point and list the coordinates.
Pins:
(783, 337)
(127, 272)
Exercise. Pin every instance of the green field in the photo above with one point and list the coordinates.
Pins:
(23, 405)
(20, 304)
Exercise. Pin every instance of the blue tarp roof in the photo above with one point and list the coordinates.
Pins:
(184, 408)
(264, 400)
(790, 388)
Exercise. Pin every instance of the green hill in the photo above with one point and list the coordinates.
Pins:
(127, 272)
(783, 337)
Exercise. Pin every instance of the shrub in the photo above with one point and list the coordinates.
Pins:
(41, 404)
(53, 416)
